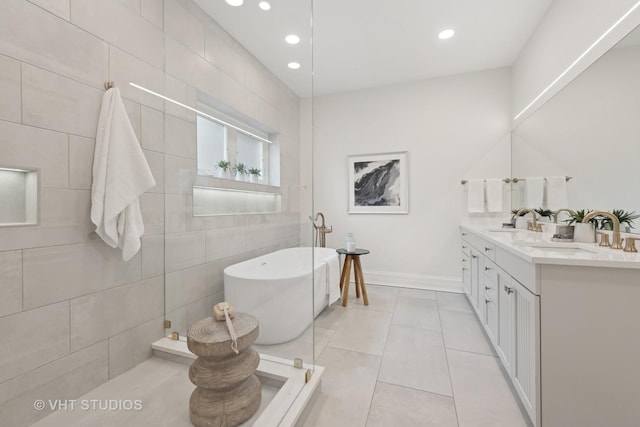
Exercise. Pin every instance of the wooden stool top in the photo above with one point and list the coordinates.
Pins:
(358, 251)
(209, 337)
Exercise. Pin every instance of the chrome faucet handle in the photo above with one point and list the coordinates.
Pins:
(630, 244)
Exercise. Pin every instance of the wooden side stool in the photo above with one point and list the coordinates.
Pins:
(352, 258)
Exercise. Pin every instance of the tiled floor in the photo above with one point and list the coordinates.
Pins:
(411, 358)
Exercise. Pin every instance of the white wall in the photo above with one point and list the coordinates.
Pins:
(452, 128)
(568, 28)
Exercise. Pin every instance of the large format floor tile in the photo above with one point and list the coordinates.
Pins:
(397, 406)
(451, 301)
(462, 331)
(332, 316)
(417, 313)
(364, 331)
(301, 347)
(482, 394)
(381, 298)
(348, 383)
(416, 358)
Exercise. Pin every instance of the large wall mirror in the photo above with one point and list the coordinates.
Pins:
(589, 131)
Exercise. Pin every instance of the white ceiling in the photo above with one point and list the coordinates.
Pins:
(366, 43)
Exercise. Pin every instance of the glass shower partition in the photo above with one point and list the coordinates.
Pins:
(235, 191)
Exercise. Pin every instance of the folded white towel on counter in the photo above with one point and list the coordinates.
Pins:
(494, 195)
(535, 192)
(556, 192)
(120, 175)
(475, 196)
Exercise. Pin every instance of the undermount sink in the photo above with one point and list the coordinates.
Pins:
(504, 230)
(558, 247)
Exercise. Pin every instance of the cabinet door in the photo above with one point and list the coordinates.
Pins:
(466, 275)
(506, 318)
(490, 301)
(526, 307)
(475, 277)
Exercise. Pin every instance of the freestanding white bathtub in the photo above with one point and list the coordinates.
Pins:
(277, 289)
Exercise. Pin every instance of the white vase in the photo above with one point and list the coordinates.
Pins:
(584, 232)
(253, 178)
(521, 222)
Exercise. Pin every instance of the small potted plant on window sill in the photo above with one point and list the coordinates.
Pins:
(223, 168)
(240, 172)
(585, 233)
(518, 221)
(254, 175)
(544, 213)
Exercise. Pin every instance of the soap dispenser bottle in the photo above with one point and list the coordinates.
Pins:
(350, 243)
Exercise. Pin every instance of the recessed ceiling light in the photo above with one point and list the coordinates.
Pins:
(264, 5)
(293, 65)
(446, 34)
(234, 2)
(292, 39)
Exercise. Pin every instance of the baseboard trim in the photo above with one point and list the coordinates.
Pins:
(415, 281)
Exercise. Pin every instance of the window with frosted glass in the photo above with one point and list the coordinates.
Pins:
(249, 151)
(212, 145)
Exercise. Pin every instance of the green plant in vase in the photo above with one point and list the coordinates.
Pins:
(579, 215)
(544, 213)
(224, 168)
(624, 217)
(240, 171)
(255, 174)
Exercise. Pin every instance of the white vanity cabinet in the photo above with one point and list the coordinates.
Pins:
(565, 323)
(509, 313)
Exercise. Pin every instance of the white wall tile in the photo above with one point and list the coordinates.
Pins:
(192, 69)
(131, 347)
(11, 279)
(183, 27)
(35, 36)
(179, 174)
(33, 338)
(132, 33)
(156, 164)
(59, 8)
(226, 242)
(53, 102)
(184, 250)
(203, 308)
(176, 90)
(180, 137)
(10, 96)
(64, 219)
(81, 151)
(134, 5)
(152, 129)
(152, 207)
(104, 314)
(47, 276)
(29, 147)
(125, 68)
(235, 95)
(133, 111)
(187, 286)
(152, 253)
(153, 11)
(175, 207)
(66, 378)
(178, 320)
(220, 53)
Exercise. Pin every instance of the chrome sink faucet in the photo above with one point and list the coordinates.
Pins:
(556, 213)
(321, 231)
(534, 226)
(617, 240)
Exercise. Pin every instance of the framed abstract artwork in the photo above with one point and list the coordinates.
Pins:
(378, 183)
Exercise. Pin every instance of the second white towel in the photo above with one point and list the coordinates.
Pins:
(535, 192)
(556, 192)
(494, 195)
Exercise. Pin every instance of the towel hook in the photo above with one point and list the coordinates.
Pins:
(108, 85)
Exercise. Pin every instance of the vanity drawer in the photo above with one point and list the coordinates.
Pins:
(490, 270)
(482, 245)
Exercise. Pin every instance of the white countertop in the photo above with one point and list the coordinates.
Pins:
(537, 248)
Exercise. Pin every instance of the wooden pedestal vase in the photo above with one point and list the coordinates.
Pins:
(227, 390)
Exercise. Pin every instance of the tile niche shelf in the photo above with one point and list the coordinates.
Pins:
(209, 201)
(18, 196)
